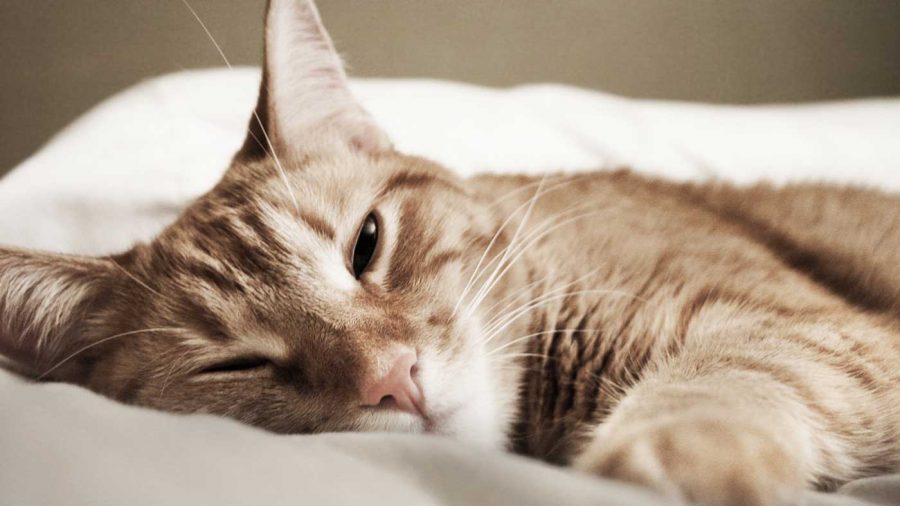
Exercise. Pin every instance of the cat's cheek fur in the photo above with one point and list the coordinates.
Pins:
(462, 396)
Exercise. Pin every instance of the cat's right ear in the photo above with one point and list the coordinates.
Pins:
(49, 304)
(304, 99)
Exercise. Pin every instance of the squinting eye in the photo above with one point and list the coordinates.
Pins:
(240, 364)
(365, 245)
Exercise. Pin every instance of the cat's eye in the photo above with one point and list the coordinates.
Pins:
(366, 242)
(235, 365)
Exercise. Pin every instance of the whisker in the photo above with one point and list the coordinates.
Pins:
(507, 307)
(503, 324)
(262, 128)
(208, 33)
(476, 273)
(530, 336)
(612, 389)
(515, 247)
(570, 178)
(519, 228)
(539, 233)
(493, 240)
(519, 355)
(165, 384)
(549, 297)
(512, 246)
(280, 167)
(512, 297)
(136, 279)
(104, 340)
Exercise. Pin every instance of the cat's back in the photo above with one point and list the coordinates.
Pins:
(840, 240)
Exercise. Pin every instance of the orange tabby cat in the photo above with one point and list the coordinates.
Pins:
(720, 345)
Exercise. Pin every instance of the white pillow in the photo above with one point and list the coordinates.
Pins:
(123, 171)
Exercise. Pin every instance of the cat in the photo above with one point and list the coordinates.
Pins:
(719, 345)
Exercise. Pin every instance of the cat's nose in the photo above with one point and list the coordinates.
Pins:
(397, 388)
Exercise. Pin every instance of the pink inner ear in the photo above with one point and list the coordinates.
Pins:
(308, 97)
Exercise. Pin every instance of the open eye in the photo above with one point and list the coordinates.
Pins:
(240, 364)
(366, 241)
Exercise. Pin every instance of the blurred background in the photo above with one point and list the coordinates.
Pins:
(60, 57)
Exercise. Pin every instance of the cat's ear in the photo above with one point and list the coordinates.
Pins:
(304, 98)
(47, 304)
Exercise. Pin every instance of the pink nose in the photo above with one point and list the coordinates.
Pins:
(396, 389)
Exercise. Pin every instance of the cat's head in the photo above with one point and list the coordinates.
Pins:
(317, 287)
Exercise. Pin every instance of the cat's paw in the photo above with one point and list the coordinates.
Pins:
(707, 462)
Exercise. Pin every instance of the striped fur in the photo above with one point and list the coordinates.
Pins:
(722, 345)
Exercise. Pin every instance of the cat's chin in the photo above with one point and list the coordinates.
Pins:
(470, 423)
(460, 400)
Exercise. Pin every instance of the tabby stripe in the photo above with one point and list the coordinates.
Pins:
(318, 225)
(476, 240)
(565, 407)
(584, 378)
(809, 262)
(202, 319)
(245, 257)
(519, 437)
(529, 400)
(402, 266)
(211, 275)
(438, 260)
(636, 302)
(860, 348)
(565, 378)
(550, 390)
(235, 194)
(202, 244)
(411, 180)
(835, 361)
(562, 400)
(406, 179)
(253, 219)
(784, 376)
(578, 336)
(707, 295)
(598, 378)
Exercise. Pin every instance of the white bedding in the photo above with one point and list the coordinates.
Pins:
(124, 170)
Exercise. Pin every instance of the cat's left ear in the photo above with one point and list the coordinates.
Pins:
(304, 99)
(51, 304)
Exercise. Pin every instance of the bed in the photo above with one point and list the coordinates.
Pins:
(125, 169)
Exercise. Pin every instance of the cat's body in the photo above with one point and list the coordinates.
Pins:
(730, 346)
(786, 288)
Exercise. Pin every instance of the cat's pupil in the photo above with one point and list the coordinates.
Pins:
(365, 245)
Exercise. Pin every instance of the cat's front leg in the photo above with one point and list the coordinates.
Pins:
(713, 440)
